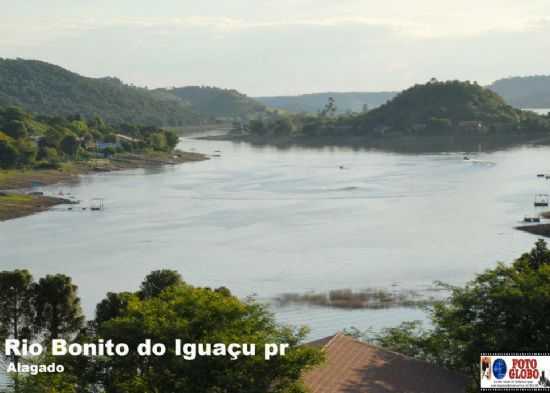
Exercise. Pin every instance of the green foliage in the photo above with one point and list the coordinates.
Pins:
(157, 281)
(450, 102)
(435, 108)
(16, 299)
(69, 145)
(57, 306)
(198, 315)
(165, 308)
(50, 90)
(502, 309)
(214, 102)
(9, 155)
(48, 141)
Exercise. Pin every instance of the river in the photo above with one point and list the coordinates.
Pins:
(265, 221)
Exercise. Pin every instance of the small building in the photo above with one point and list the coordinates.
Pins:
(353, 366)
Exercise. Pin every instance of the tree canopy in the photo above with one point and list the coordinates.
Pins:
(164, 309)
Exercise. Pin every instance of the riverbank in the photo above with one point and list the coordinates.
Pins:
(18, 203)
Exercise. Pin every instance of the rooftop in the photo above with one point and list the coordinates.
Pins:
(353, 366)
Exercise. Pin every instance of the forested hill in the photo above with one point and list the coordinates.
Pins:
(215, 102)
(313, 103)
(432, 109)
(449, 105)
(524, 92)
(50, 90)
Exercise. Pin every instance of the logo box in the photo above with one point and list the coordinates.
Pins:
(514, 371)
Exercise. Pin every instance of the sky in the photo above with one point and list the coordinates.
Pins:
(280, 47)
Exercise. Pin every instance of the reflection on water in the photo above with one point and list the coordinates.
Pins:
(267, 221)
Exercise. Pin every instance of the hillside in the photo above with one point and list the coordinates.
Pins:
(313, 103)
(213, 101)
(431, 109)
(50, 90)
(438, 107)
(524, 92)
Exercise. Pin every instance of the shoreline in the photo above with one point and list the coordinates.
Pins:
(16, 201)
(399, 144)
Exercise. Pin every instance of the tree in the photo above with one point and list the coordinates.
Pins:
(16, 312)
(27, 151)
(201, 315)
(69, 145)
(171, 139)
(330, 108)
(58, 311)
(157, 281)
(113, 306)
(8, 152)
(256, 127)
(16, 129)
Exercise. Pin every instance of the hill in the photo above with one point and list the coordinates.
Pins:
(313, 103)
(524, 92)
(50, 90)
(444, 106)
(213, 101)
(432, 109)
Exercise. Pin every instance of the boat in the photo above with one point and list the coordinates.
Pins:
(97, 204)
(542, 175)
(541, 200)
(531, 219)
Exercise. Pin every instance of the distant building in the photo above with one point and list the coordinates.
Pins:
(353, 366)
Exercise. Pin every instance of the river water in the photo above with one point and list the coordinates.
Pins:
(265, 221)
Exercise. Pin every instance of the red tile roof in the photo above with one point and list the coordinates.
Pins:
(353, 366)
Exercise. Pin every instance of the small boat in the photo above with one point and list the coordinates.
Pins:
(531, 219)
(542, 175)
(97, 204)
(541, 200)
(466, 158)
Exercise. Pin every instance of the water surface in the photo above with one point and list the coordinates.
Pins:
(266, 221)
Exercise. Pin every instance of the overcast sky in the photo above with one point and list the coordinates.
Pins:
(272, 47)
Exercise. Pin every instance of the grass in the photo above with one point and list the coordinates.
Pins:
(13, 179)
(19, 205)
(16, 179)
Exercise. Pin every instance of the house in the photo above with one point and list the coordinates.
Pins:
(353, 366)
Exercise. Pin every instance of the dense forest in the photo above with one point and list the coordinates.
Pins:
(50, 90)
(313, 103)
(28, 141)
(524, 92)
(434, 108)
(47, 89)
(214, 102)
